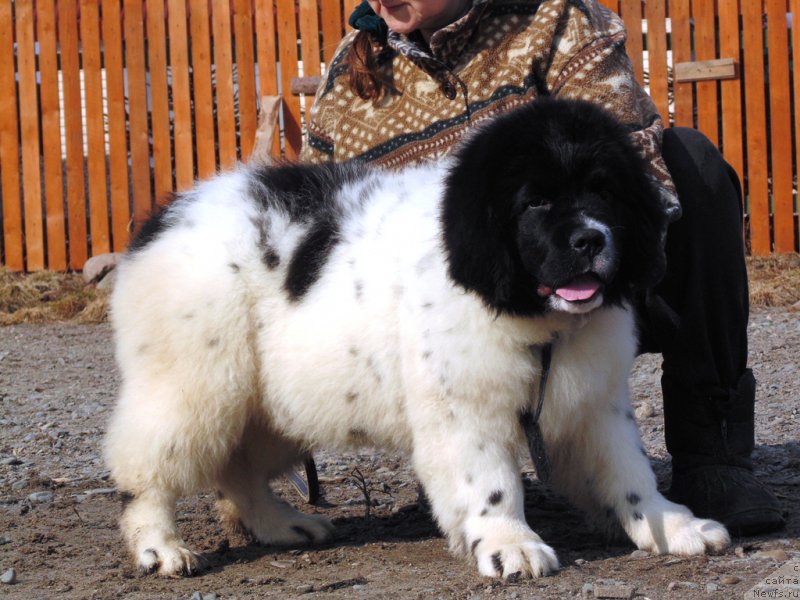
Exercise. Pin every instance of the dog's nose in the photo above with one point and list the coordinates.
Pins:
(587, 241)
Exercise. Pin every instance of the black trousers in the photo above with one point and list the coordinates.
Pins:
(696, 317)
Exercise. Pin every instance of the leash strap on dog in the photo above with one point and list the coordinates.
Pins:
(530, 421)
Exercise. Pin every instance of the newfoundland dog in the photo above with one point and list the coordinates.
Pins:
(274, 310)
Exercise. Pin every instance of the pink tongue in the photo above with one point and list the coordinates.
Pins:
(582, 288)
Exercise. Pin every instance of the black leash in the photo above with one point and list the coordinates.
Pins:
(530, 421)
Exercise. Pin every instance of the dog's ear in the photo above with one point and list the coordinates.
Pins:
(645, 256)
(476, 220)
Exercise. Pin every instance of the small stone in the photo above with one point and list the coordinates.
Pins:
(9, 577)
(614, 591)
(712, 587)
(777, 554)
(739, 551)
(359, 586)
(729, 579)
(580, 561)
(211, 596)
(640, 554)
(587, 591)
(644, 411)
(196, 596)
(11, 460)
(19, 485)
(41, 497)
(687, 585)
(282, 564)
(305, 588)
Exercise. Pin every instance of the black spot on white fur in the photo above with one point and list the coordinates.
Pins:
(496, 497)
(633, 499)
(475, 545)
(310, 256)
(638, 516)
(497, 563)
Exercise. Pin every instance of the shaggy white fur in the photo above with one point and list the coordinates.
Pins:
(227, 379)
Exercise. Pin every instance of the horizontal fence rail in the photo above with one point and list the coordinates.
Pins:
(109, 106)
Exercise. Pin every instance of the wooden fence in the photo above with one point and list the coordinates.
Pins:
(108, 105)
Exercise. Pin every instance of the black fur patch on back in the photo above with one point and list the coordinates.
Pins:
(303, 191)
(310, 256)
(153, 226)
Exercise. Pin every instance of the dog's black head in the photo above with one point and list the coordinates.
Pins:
(549, 208)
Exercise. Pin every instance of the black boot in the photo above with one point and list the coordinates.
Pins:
(710, 441)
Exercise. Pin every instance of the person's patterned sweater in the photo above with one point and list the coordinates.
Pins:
(500, 55)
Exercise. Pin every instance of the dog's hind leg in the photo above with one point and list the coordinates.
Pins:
(248, 500)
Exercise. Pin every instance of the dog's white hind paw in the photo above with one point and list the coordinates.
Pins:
(169, 560)
(298, 530)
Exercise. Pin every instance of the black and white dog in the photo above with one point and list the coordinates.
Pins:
(275, 310)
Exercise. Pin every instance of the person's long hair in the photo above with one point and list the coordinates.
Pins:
(365, 59)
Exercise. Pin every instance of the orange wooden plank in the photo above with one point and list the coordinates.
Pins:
(159, 99)
(331, 26)
(780, 126)
(309, 36)
(137, 108)
(71, 85)
(679, 12)
(267, 57)
(95, 127)
(29, 136)
(287, 53)
(117, 130)
(611, 4)
(795, 8)
(246, 75)
(223, 62)
(205, 138)
(13, 254)
(181, 95)
(705, 49)
(755, 114)
(731, 92)
(631, 13)
(51, 132)
(656, 13)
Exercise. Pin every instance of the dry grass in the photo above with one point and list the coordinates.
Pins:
(47, 297)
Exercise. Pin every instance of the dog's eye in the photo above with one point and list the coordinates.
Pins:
(536, 201)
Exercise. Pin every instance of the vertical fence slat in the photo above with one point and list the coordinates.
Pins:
(656, 13)
(731, 91)
(795, 7)
(246, 78)
(223, 62)
(705, 49)
(205, 137)
(159, 99)
(95, 127)
(349, 7)
(267, 57)
(682, 93)
(181, 95)
(51, 129)
(9, 144)
(117, 131)
(780, 126)
(137, 109)
(29, 136)
(309, 36)
(631, 12)
(287, 53)
(71, 86)
(610, 4)
(755, 114)
(331, 25)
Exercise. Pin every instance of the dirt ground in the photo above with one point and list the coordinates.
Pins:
(58, 509)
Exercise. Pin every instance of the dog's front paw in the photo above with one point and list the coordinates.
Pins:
(677, 531)
(514, 550)
(690, 535)
(171, 560)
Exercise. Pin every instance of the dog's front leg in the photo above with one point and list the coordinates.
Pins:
(468, 467)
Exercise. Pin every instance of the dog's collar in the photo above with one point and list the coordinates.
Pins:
(530, 420)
